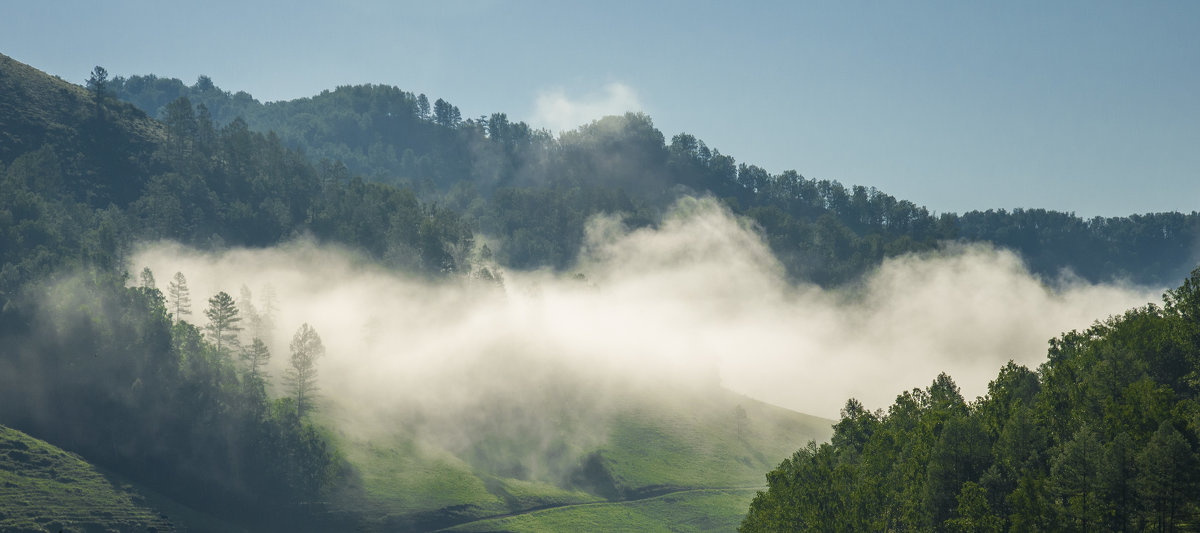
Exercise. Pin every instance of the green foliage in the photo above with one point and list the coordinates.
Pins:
(105, 371)
(1102, 438)
(974, 513)
(534, 193)
(102, 371)
(223, 320)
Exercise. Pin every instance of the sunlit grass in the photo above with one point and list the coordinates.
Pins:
(699, 510)
(43, 488)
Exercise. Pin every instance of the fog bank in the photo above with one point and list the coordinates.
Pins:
(698, 301)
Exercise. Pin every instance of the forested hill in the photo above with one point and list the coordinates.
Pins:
(532, 192)
(1102, 437)
(103, 369)
(104, 145)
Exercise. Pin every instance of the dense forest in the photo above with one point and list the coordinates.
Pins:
(533, 192)
(109, 366)
(1102, 437)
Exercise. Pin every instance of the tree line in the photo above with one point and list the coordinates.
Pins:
(1104, 436)
(107, 371)
(533, 192)
(236, 331)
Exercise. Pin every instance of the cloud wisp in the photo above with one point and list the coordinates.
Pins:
(556, 111)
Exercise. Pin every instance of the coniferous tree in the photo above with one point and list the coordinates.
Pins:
(301, 378)
(1118, 478)
(97, 84)
(223, 322)
(1168, 481)
(179, 297)
(147, 279)
(266, 316)
(423, 107)
(253, 320)
(180, 120)
(256, 356)
(1074, 480)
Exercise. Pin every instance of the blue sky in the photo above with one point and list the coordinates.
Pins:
(1091, 107)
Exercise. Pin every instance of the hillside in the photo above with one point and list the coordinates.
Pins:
(105, 146)
(43, 488)
(116, 374)
(533, 193)
(695, 446)
(114, 366)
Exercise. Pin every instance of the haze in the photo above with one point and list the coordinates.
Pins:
(697, 302)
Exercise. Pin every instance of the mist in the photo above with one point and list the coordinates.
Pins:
(697, 302)
(555, 111)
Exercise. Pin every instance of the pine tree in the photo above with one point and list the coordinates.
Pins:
(266, 316)
(223, 322)
(256, 356)
(253, 320)
(1168, 476)
(180, 298)
(301, 378)
(147, 279)
(97, 84)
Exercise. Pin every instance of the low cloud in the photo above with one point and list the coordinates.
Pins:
(554, 110)
(697, 302)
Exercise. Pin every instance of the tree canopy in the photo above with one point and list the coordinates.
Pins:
(1102, 437)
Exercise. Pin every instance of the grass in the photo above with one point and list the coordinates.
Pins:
(693, 446)
(43, 488)
(405, 477)
(701, 442)
(521, 494)
(700, 510)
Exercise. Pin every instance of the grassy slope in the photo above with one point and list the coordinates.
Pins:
(657, 455)
(688, 511)
(697, 442)
(413, 485)
(43, 488)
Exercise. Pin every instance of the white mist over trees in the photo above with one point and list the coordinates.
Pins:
(179, 297)
(700, 300)
(301, 378)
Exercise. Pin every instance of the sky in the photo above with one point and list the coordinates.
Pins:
(1089, 107)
